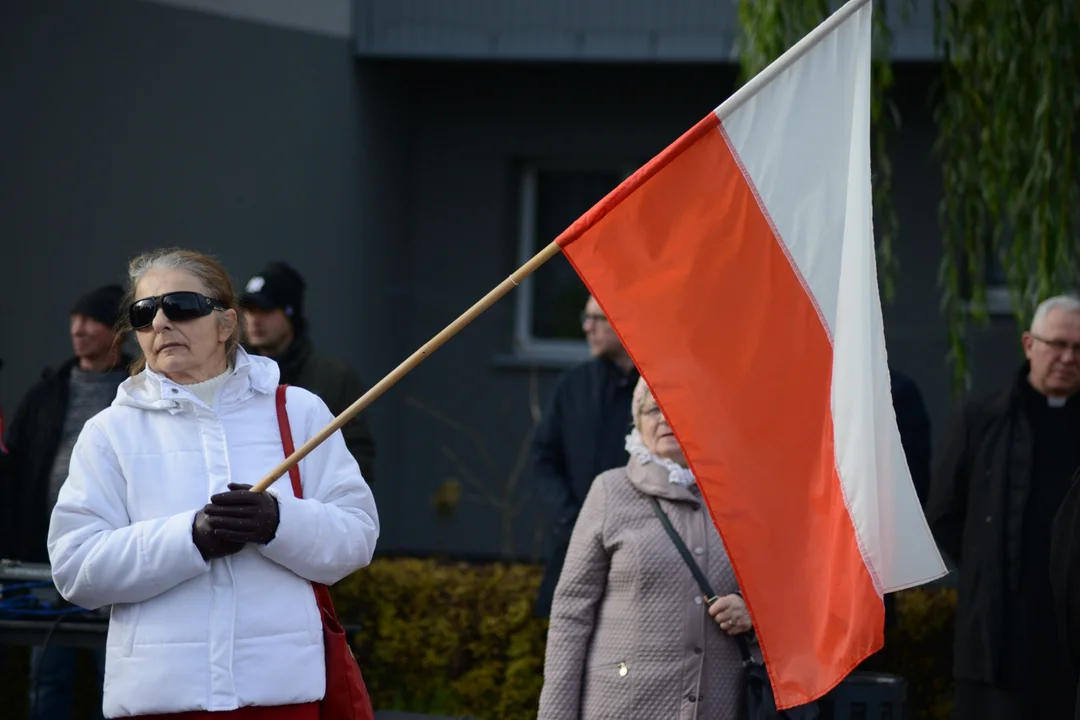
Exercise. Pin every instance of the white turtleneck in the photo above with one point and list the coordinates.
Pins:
(207, 390)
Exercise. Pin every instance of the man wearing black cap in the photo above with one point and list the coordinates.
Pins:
(273, 303)
(42, 434)
(51, 415)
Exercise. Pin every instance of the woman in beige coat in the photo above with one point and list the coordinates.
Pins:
(631, 636)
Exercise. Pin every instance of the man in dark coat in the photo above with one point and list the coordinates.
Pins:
(996, 490)
(273, 303)
(914, 424)
(1065, 578)
(51, 415)
(40, 439)
(6, 514)
(582, 434)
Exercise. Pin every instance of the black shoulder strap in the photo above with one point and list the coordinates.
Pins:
(703, 583)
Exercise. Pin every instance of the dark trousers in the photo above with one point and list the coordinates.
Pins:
(52, 682)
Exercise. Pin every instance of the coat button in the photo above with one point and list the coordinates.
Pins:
(698, 651)
(692, 697)
(697, 599)
(699, 551)
(623, 670)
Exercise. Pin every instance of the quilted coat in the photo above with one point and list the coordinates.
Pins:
(630, 638)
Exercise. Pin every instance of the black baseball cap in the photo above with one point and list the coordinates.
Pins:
(277, 286)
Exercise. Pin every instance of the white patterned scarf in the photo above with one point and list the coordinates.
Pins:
(676, 473)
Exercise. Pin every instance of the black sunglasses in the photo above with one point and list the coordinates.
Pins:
(177, 306)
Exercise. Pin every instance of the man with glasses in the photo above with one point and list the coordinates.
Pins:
(43, 432)
(582, 434)
(1003, 474)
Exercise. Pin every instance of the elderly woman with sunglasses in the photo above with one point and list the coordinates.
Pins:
(631, 634)
(213, 613)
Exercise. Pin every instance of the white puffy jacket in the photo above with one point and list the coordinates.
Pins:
(187, 634)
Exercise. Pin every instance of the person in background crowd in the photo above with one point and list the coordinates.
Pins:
(582, 434)
(913, 421)
(1065, 576)
(273, 304)
(7, 517)
(631, 635)
(40, 440)
(1004, 471)
(213, 613)
(5, 513)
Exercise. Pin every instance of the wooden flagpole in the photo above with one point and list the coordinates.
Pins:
(415, 359)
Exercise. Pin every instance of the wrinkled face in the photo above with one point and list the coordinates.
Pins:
(185, 352)
(1053, 348)
(603, 342)
(657, 434)
(268, 331)
(91, 340)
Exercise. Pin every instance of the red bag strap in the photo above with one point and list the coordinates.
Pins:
(322, 595)
(286, 440)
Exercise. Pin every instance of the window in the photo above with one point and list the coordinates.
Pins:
(547, 321)
(998, 300)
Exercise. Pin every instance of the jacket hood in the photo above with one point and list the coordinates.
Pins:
(151, 391)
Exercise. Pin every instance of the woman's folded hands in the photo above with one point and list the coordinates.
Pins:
(233, 519)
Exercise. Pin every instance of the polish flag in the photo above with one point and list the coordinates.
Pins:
(738, 269)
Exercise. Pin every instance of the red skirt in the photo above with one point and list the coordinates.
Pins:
(307, 711)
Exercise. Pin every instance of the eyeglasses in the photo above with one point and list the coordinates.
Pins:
(177, 306)
(1059, 345)
(585, 317)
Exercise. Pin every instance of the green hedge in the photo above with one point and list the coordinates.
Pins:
(447, 638)
(457, 639)
(920, 649)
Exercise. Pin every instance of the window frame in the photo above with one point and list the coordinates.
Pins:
(998, 301)
(527, 347)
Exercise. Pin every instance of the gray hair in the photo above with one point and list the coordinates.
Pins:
(1067, 303)
(208, 270)
(637, 402)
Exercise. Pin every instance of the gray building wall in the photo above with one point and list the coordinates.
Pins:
(393, 186)
(585, 30)
(129, 126)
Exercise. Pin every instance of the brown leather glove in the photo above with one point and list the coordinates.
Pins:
(209, 544)
(243, 516)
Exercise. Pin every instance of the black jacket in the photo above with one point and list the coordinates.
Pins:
(32, 439)
(1065, 578)
(6, 491)
(914, 424)
(978, 498)
(339, 386)
(582, 434)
